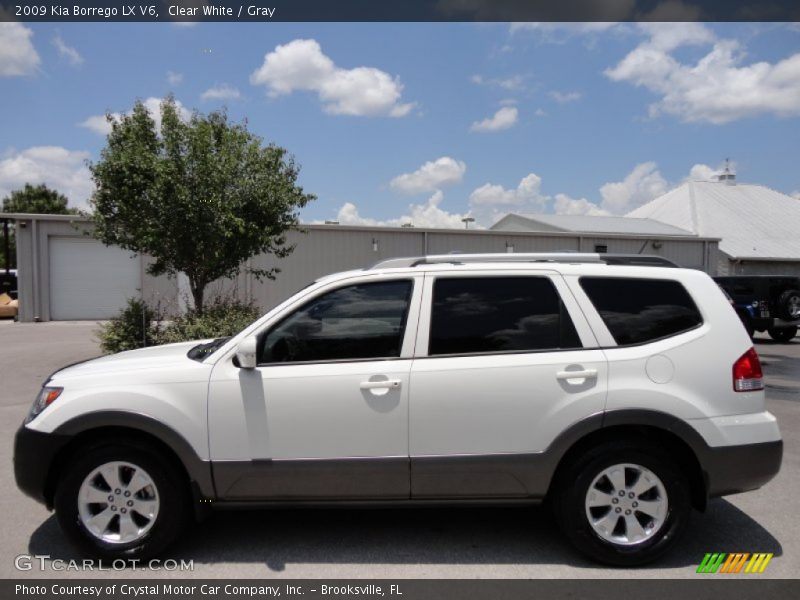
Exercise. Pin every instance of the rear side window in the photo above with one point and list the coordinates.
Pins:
(642, 310)
(498, 314)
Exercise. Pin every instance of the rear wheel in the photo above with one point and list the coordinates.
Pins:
(789, 305)
(782, 334)
(622, 503)
(121, 500)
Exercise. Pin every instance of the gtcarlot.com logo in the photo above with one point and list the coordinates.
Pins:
(734, 562)
(43, 562)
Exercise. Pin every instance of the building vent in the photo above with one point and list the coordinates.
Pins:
(727, 176)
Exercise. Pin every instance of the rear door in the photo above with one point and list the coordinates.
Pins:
(503, 364)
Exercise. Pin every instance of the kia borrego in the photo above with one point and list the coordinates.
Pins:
(624, 391)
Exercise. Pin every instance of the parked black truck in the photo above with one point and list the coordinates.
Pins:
(768, 303)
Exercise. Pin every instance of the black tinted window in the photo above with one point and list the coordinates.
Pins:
(360, 321)
(642, 310)
(498, 314)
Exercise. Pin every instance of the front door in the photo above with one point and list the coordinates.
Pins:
(325, 413)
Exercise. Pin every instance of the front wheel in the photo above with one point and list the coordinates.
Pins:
(121, 501)
(784, 335)
(622, 503)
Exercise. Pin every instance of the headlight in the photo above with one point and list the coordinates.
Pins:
(45, 398)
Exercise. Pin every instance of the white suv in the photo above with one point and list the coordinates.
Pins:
(623, 394)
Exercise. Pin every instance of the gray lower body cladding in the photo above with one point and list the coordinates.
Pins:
(501, 476)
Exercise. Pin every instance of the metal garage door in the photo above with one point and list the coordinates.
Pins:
(89, 280)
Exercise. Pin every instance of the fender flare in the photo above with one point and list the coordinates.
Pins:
(199, 470)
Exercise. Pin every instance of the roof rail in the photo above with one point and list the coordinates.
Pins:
(503, 257)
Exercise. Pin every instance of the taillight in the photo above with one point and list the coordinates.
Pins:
(747, 374)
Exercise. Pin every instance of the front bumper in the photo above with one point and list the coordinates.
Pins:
(34, 455)
(734, 469)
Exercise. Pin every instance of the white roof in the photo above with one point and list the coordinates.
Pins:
(586, 224)
(753, 221)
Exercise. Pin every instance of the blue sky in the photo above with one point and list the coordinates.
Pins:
(426, 123)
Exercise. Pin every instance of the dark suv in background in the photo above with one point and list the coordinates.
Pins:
(768, 303)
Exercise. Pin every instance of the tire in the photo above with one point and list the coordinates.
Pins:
(584, 476)
(783, 335)
(789, 305)
(165, 496)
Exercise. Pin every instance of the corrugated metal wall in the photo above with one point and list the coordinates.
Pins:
(33, 263)
(324, 249)
(764, 267)
(327, 249)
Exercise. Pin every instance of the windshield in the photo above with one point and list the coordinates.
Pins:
(201, 351)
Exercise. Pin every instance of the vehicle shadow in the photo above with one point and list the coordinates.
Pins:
(514, 536)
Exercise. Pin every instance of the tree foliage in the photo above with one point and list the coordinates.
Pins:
(139, 324)
(200, 197)
(35, 199)
(38, 199)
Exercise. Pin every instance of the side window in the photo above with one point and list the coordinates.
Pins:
(642, 310)
(364, 321)
(498, 314)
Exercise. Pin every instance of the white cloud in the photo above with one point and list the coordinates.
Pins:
(702, 172)
(503, 119)
(642, 184)
(419, 215)
(564, 205)
(560, 31)
(301, 65)
(491, 201)
(100, 125)
(527, 193)
(512, 83)
(795, 194)
(17, 54)
(68, 52)
(540, 113)
(61, 169)
(718, 88)
(174, 79)
(221, 92)
(430, 176)
(564, 97)
(669, 36)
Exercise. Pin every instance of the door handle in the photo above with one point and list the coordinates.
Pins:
(376, 385)
(585, 374)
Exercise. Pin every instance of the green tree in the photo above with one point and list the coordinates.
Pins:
(38, 199)
(200, 197)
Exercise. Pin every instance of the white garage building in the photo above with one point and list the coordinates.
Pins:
(64, 274)
(758, 227)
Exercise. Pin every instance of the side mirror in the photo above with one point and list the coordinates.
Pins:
(246, 352)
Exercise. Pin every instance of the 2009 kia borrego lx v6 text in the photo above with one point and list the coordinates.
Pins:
(623, 391)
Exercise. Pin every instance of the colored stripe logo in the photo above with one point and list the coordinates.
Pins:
(734, 562)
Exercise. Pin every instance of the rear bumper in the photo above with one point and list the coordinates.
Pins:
(734, 469)
(34, 454)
